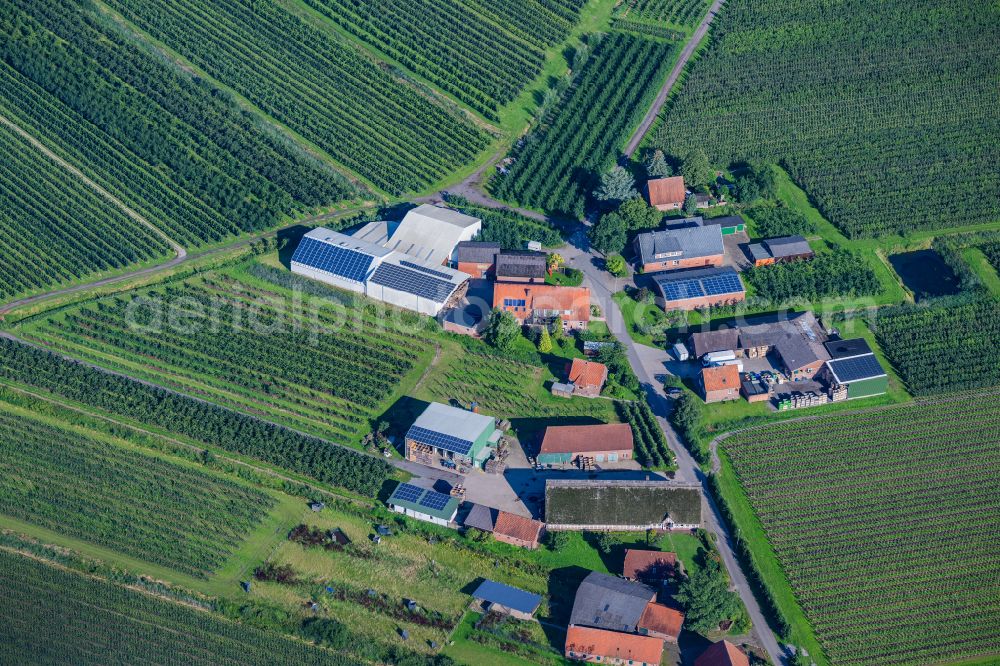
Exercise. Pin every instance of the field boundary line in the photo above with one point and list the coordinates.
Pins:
(174, 245)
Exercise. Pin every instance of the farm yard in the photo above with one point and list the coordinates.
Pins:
(884, 523)
(886, 119)
(580, 138)
(325, 89)
(168, 145)
(84, 484)
(247, 344)
(75, 234)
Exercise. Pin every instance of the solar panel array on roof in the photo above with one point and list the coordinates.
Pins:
(439, 440)
(858, 367)
(412, 282)
(424, 269)
(340, 261)
(724, 283)
(434, 501)
(682, 289)
(407, 492)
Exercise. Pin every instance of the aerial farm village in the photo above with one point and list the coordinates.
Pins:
(455, 332)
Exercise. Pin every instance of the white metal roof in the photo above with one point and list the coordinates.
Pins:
(430, 232)
(460, 423)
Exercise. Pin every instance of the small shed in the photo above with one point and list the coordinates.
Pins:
(506, 599)
(563, 389)
(426, 505)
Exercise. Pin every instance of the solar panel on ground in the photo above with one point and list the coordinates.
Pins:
(406, 492)
(435, 501)
(859, 367)
(412, 282)
(424, 269)
(340, 261)
(439, 440)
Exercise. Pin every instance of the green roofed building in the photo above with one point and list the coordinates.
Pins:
(853, 365)
(451, 437)
(625, 506)
(422, 504)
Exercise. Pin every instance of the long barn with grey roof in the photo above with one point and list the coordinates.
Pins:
(682, 246)
(609, 602)
(621, 505)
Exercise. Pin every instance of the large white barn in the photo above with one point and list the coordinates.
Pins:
(402, 266)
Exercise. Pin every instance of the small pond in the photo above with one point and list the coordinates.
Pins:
(925, 273)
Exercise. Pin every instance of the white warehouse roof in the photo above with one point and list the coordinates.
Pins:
(459, 423)
(427, 232)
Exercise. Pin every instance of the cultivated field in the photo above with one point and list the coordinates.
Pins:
(55, 229)
(244, 342)
(674, 12)
(52, 615)
(945, 346)
(480, 59)
(168, 145)
(84, 484)
(886, 118)
(884, 523)
(320, 85)
(581, 136)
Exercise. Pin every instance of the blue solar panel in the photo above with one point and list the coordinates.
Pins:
(424, 269)
(435, 501)
(682, 289)
(726, 283)
(412, 282)
(508, 596)
(407, 493)
(859, 367)
(340, 261)
(439, 440)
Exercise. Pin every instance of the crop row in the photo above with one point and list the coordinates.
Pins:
(72, 618)
(558, 165)
(884, 119)
(674, 12)
(940, 347)
(190, 417)
(651, 445)
(53, 228)
(884, 523)
(252, 352)
(454, 47)
(137, 504)
(325, 89)
(164, 142)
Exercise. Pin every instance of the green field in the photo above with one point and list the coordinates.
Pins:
(83, 484)
(882, 524)
(167, 144)
(55, 229)
(56, 616)
(321, 366)
(884, 112)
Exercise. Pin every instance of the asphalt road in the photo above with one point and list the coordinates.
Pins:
(675, 73)
(648, 363)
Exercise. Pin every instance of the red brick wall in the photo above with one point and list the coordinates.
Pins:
(474, 269)
(705, 301)
(668, 264)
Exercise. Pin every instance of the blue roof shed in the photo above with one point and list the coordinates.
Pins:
(507, 596)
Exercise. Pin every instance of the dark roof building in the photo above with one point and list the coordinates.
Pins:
(679, 242)
(612, 603)
(476, 252)
(729, 224)
(788, 247)
(505, 598)
(724, 339)
(854, 365)
(620, 505)
(481, 517)
(521, 265)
